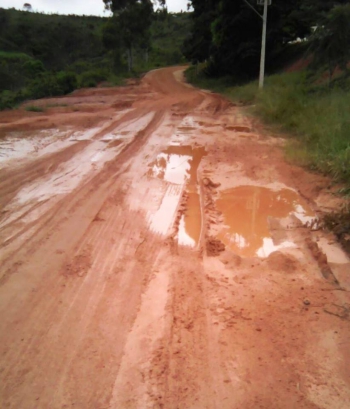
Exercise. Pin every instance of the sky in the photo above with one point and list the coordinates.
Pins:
(87, 7)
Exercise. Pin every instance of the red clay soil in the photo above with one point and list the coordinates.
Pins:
(155, 253)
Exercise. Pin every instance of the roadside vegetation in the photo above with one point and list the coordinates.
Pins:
(312, 104)
(309, 101)
(317, 116)
(45, 55)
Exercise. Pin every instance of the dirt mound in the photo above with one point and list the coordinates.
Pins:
(282, 262)
(238, 128)
(321, 259)
(209, 183)
(214, 247)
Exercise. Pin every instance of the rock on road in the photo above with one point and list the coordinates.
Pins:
(157, 251)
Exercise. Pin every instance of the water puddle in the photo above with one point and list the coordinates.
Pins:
(246, 210)
(178, 165)
(21, 145)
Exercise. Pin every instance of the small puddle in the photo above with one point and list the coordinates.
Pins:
(246, 210)
(178, 165)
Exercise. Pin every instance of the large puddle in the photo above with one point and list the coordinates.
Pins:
(246, 210)
(178, 165)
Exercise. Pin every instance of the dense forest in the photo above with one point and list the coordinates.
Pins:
(47, 55)
(227, 33)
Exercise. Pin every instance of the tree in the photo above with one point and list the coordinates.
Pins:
(27, 7)
(197, 45)
(227, 33)
(330, 43)
(118, 6)
(131, 20)
(4, 21)
(111, 37)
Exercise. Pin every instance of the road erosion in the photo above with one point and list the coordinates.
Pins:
(157, 251)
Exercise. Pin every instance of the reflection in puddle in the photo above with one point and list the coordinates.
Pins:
(179, 165)
(246, 210)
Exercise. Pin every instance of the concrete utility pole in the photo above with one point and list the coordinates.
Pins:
(263, 47)
(265, 3)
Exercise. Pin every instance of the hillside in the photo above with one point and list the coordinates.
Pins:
(47, 55)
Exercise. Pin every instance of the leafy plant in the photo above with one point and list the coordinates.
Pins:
(330, 42)
(34, 108)
(92, 78)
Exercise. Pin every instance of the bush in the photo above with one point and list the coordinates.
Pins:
(33, 67)
(7, 99)
(45, 85)
(92, 78)
(67, 82)
(34, 108)
(50, 85)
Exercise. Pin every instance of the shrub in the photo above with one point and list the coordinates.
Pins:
(45, 85)
(33, 108)
(67, 81)
(92, 78)
(50, 85)
(7, 99)
(33, 67)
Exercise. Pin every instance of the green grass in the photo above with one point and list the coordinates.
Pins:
(55, 105)
(10, 55)
(317, 117)
(33, 108)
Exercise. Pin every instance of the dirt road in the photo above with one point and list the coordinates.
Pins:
(157, 251)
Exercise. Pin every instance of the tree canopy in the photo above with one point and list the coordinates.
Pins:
(131, 24)
(227, 33)
(330, 43)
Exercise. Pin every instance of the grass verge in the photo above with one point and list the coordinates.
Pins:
(318, 117)
(33, 108)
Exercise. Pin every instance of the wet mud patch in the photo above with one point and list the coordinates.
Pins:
(321, 260)
(214, 247)
(237, 128)
(339, 223)
(246, 211)
(160, 221)
(286, 263)
(80, 264)
(186, 128)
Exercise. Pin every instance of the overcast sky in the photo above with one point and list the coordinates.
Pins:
(87, 7)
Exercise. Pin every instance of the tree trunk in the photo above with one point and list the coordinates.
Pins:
(130, 59)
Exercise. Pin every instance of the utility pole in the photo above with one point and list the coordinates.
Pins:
(263, 47)
(265, 3)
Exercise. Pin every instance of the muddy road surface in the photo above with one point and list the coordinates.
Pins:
(157, 251)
